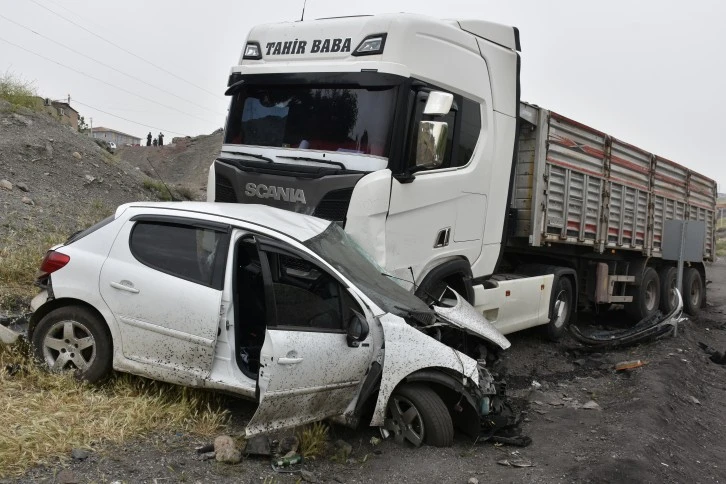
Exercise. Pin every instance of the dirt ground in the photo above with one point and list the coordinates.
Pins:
(663, 422)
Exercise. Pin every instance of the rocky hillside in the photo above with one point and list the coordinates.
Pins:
(53, 181)
(183, 164)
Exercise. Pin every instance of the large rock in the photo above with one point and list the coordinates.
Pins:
(6, 185)
(226, 450)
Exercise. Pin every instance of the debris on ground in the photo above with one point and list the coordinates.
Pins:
(629, 365)
(718, 357)
(80, 454)
(258, 445)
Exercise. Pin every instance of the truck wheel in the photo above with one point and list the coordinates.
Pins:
(646, 296)
(417, 415)
(693, 290)
(561, 310)
(668, 300)
(72, 338)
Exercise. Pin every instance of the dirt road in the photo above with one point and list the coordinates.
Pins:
(663, 422)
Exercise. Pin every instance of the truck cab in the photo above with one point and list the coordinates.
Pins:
(399, 127)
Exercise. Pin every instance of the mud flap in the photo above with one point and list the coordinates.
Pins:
(651, 328)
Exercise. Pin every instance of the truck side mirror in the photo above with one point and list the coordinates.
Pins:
(439, 103)
(357, 330)
(431, 143)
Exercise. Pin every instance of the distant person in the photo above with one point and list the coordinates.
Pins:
(156, 143)
(148, 139)
(161, 139)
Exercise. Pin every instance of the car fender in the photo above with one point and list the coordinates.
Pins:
(408, 350)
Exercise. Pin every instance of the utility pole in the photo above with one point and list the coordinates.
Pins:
(90, 133)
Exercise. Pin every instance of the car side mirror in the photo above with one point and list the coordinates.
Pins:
(431, 143)
(439, 103)
(358, 330)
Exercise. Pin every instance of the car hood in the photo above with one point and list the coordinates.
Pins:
(464, 316)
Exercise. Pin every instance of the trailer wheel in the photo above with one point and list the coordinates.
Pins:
(646, 296)
(668, 300)
(693, 291)
(561, 309)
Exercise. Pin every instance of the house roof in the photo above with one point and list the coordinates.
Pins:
(101, 129)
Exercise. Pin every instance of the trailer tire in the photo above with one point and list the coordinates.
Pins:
(646, 296)
(668, 277)
(560, 315)
(693, 291)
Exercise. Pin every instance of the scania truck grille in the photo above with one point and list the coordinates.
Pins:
(334, 206)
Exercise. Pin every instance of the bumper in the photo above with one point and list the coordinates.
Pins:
(12, 328)
(652, 328)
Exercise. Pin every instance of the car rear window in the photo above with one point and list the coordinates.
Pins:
(82, 233)
(192, 253)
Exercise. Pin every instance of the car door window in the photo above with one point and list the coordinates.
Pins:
(307, 297)
(192, 253)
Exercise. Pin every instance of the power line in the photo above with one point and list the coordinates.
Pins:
(126, 119)
(123, 49)
(103, 82)
(106, 65)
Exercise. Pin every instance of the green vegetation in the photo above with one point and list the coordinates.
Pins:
(721, 247)
(18, 92)
(159, 189)
(313, 440)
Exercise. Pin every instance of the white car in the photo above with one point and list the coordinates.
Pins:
(271, 305)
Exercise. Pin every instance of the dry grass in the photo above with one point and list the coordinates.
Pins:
(313, 440)
(18, 91)
(44, 415)
(22, 251)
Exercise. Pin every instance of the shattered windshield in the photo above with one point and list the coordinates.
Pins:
(335, 247)
(328, 118)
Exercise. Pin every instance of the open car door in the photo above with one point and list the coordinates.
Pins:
(311, 365)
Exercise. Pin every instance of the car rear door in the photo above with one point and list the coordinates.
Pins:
(163, 282)
(307, 369)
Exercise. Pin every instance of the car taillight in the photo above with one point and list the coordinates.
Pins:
(52, 262)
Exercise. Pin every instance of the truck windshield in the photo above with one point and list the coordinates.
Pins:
(328, 118)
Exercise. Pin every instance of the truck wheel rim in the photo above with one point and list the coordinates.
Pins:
(650, 296)
(404, 421)
(696, 293)
(561, 309)
(67, 345)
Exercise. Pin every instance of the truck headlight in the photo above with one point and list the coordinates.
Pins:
(371, 45)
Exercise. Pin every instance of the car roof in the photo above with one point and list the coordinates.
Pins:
(296, 225)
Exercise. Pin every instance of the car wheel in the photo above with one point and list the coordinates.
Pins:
(668, 299)
(646, 296)
(693, 291)
(562, 308)
(72, 338)
(417, 415)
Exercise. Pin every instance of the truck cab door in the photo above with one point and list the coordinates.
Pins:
(440, 208)
(309, 368)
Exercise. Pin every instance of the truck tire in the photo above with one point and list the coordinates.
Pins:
(667, 277)
(417, 415)
(563, 294)
(693, 290)
(646, 296)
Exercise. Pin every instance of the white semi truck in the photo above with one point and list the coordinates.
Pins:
(410, 132)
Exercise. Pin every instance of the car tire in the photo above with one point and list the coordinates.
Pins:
(693, 291)
(416, 415)
(74, 338)
(646, 296)
(559, 322)
(668, 276)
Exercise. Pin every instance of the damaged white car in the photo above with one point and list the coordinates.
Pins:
(270, 305)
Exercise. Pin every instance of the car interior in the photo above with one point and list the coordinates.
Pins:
(282, 290)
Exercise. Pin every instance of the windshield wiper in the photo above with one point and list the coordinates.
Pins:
(305, 158)
(254, 155)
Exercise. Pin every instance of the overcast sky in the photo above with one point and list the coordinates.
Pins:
(651, 73)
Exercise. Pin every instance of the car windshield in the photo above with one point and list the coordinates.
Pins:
(336, 118)
(335, 247)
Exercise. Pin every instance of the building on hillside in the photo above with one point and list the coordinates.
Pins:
(62, 110)
(111, 135)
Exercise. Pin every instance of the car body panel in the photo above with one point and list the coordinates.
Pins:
(408, 350)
